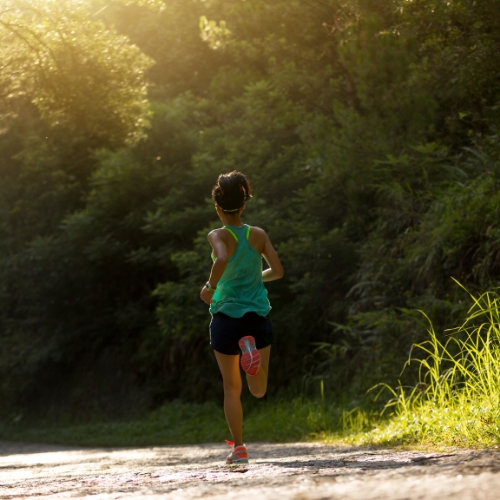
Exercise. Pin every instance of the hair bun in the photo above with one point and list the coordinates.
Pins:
(231, 191)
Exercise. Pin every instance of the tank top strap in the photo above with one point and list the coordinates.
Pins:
(233, 230)
(232, 233)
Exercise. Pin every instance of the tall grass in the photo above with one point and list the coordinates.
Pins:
(457, 399)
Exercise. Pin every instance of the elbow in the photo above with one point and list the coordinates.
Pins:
(280, 273)
(221, 259)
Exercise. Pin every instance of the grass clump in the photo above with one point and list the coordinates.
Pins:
(294, 420)
(457, 399)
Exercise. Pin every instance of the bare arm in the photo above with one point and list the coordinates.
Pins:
(218, 267)
(275, 271)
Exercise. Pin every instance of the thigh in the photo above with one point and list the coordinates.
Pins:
(265, 354)
(258, 384)
(229, 366)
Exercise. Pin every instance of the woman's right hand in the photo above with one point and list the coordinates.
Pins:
(206, 295)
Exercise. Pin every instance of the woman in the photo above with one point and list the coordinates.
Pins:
(238, 302)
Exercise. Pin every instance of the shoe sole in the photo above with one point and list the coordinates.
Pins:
(250, 356)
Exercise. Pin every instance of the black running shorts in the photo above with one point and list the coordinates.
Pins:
(225, 331)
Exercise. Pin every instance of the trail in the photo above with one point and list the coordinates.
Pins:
(299, 471)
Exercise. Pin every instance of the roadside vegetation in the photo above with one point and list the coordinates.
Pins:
(455, 403)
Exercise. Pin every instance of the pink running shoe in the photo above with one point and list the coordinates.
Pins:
(238, 454)
(250, 356)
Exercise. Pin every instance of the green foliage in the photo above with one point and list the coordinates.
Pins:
(79, 73)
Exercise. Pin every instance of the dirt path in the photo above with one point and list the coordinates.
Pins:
(301, 471)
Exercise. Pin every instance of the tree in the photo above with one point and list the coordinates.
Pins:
(80, 74)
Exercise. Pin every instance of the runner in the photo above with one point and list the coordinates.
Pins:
(238, 302)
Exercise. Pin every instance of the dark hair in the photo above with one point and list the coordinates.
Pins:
(231, 191)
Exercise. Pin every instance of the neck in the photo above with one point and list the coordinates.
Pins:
(231, 220)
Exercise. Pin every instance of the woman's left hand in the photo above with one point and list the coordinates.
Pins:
(206, 295)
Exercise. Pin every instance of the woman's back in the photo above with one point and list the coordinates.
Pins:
(241, 290)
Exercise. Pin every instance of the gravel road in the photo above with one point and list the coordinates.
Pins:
(299, 471)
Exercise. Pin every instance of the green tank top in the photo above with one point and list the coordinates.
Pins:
(241, 290)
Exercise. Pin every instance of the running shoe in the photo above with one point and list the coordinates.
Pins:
(238, 454)
(250, 356)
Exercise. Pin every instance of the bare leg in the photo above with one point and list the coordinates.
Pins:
(231, 378)
(258, 384)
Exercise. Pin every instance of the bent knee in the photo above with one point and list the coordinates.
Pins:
(258, 394)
